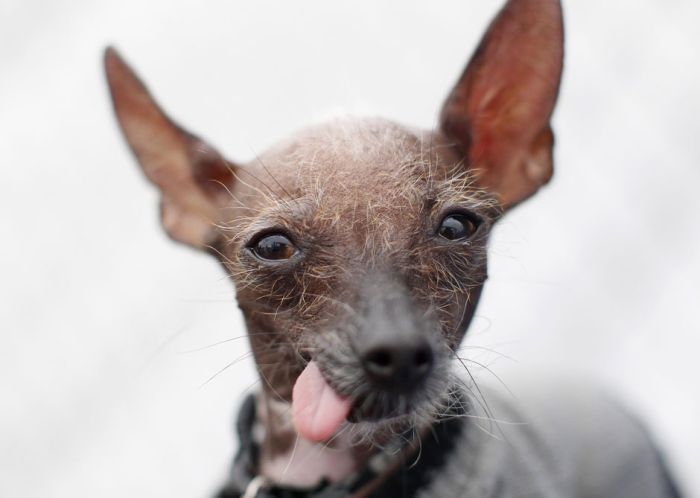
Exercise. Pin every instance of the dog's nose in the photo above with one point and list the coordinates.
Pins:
(398, 366)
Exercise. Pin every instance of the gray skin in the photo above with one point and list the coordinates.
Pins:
(366, 265)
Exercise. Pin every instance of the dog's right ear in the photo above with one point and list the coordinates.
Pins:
(193, 178)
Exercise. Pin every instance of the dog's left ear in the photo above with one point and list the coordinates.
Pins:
(498, 113)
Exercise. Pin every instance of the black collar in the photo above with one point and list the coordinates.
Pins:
(404, 480)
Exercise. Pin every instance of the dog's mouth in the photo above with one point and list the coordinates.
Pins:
(318, 410)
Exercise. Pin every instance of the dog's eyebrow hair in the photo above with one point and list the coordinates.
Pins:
(460, 187)
(282, 215)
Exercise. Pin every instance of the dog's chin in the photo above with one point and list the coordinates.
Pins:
(384, 411)
(377, 423)
(382, 408)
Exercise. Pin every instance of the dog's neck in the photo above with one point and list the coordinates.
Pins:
(289, 460)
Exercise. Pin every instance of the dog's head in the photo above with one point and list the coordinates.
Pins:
(358, 248)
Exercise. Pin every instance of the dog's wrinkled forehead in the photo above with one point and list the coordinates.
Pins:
(346, 156)
(360, 174)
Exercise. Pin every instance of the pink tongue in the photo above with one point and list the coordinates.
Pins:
(317, 411)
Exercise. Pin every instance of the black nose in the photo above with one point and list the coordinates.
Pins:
(398, 366)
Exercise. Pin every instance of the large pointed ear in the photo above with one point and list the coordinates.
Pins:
(498, 113)
(193, 178)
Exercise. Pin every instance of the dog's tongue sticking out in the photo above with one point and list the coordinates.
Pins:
(317, 410)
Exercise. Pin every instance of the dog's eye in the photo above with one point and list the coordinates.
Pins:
(274, 247)
(457, 227)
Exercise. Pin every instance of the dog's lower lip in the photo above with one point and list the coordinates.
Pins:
(354, 417)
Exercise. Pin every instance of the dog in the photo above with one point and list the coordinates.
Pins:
(358, 250)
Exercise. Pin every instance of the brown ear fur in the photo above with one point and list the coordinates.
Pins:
(498, 113)
(190, 174)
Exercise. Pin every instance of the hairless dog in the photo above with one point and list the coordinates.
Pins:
(358, 253)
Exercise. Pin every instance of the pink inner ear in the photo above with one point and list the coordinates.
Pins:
(499, 111)
(214, 174)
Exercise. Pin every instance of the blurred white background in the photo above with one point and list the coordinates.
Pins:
(598, 275)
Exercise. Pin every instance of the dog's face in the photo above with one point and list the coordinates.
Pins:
(367, 243)
(358, 248)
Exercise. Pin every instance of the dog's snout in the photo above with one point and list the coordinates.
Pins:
(398, 366)
(393, 340)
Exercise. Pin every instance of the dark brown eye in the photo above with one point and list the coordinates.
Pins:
(274, 247)
(457, 227)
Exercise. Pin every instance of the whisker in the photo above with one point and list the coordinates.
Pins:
(420, 449)
(161, 347)
(291, 458)
(485, 367)
(485, 404)
(257, 158)
(224, 341)
(229, 365)
(274, 391)
(484, 348)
